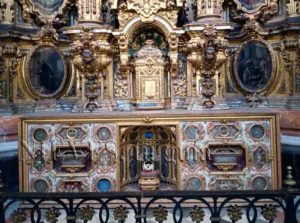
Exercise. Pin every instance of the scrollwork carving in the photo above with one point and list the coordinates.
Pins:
(254, 15)
(91, 56)
(120, 82)
(43, 11)
(180, 83)
(123, 43)
(206, 57)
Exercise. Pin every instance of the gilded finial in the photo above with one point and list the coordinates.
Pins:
(289, 181)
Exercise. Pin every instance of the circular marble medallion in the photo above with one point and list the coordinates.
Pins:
(193, 183)
(40, 135)
(104, 185)
(72, 133)
(192, 132)
(259, 183)
(41, 186)
(257, 132)
(224, 130)
(103, 134)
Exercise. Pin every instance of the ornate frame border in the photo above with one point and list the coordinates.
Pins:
(25, 79)
(158, 119)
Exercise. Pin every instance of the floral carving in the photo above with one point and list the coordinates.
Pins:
(91, 55)
(86, 213)
(253, 100)
(120, 82)
(146, 8)
(160, 213)
(52, 215)
(234, 213)
(120, 214)
(269, 212)
(18, 216)
(197, 214)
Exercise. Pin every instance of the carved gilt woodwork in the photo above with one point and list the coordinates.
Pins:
(88, 34)
(91, 56)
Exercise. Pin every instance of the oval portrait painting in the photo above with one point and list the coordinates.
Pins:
(46, 71)
(254, 66)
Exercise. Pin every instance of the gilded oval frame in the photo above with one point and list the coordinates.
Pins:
(26, 75)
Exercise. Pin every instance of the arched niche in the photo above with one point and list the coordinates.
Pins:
(140, 144)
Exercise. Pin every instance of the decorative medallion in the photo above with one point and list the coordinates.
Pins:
(106, 159)
(193, 183)
(257, 132)
(39, 161)
(41, 186)
(223, 131)
(40, 135)
(46, 72)
(192, 132)
(104, 134)
(259, 183)
(104, 185)
(72, 133)
(254, 67)
(146, 8)
(259, 157)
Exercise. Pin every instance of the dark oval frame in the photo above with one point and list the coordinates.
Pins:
(28, 83)
(272, 78)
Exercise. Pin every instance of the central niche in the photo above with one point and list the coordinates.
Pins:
(148, 50)
(141, 145)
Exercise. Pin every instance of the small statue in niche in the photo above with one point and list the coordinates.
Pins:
(39, 161)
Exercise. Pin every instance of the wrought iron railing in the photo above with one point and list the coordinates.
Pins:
(159, 206)
(153, 206)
